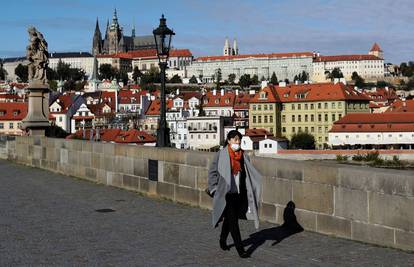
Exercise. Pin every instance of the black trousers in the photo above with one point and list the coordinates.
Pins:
(231, 220)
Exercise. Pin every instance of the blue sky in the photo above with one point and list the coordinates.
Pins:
(261, 26)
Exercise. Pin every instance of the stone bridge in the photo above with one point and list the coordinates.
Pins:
(45, 213)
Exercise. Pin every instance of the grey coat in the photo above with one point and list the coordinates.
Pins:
(219, 182)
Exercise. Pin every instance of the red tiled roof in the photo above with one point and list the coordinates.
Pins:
(154, 108)
(148, 54)
(271, 96)
(273, 55)
(382, 94)
(401, 106)
(345, 58)
(8, 110)
(242, 101)
(130, 97)
(375, 48)
(375, 122)
(5, 97)
(257, 133)
(117, 136)
(318, 92)
(218, 100)
(65, 101)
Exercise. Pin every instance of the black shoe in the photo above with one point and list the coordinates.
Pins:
(223, 245)
(242, 252)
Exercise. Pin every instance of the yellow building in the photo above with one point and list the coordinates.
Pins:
(311, 108)
(264, 111)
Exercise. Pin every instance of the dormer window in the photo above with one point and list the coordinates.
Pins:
(227, 101)
(205, 101)
(263, 95)
(216, 101)
(2, 112)
(16, 112)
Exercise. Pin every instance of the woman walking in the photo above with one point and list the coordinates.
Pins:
(235, 186)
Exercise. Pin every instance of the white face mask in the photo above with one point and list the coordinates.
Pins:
(235, 147)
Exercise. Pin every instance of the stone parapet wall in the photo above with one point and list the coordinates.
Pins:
(359, 203)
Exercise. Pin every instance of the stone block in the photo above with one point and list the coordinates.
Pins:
(144, 185)
(313, 197)
(64, 156)
(130, 182)
(394, 182)
(78, 171)
(166, 190)
(206, 202)
(127, 165)
(98, 147)
(202, 178)
(351, 204)
(120, 150)
(73, 157)
(87, 146)
(171, 173)
(51, 153)
(86, 159)
(108, 163)
(276, 191)
(96, 160)
(153, 153)
(333, 226)
(175, 155)
(306, 219)
(279, 214)
(160, 171)
(90, 173)
(187, 175)
(268, 212)
(290, 170)
(266, 166)
(140, 167)
(197, 158)
(392, 211)
(36, 163)
(76, 144)
(404, 240)
(372, 234)
(133, 152)
(359, 178)
(101, 176)
(39, 152)
(321, 174)
(109, 149)
(30, 151)
(187, 195)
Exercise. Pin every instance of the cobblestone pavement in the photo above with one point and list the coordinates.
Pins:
(47, 219)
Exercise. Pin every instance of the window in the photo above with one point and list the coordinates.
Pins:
(283, 118)
(333, 117)
(254, 119)
(333, 104)
(326, 105)
(270, 107)
(299, 118)
(206, 136)
(271, 118)
(265, 145)
(339, 116)
(293, 106)
(11, 125)
(299, 106)
(299, 129)
(199, 136)
(284, 129)
(1, 125)
(259, 119)
(319, 117)
(259, 107)
(293, 118)
(271, 129)
(306, 129)
(191, 136)
(214, 136)
(306, 117)
(326, 129)
(293, 130)
(319, 105)
(185, 136)
(319, 129)
(311, 106)
(270, 145)
(312, 129)
(265, 119)
(265, 107)
(312, 117)
(179, 136)
(326, 117)
(306, 106)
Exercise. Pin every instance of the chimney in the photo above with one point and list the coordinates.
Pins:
(178, 91)
(222, 92)
(214, 91)
(237, 91)
(342, 80)
(264, 84)
(282, 84)
(336, 80)
(386, 88)
(296, 82)
(404, 103)
(252, 92)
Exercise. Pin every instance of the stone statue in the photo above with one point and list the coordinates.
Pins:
(37, 55)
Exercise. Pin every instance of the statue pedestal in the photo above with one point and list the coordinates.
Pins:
(36, 122)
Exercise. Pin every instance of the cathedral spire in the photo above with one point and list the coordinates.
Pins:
(226, 49)
(133, 30)
(235, 47)
(115, 19)
(107, 29)
(97, 40)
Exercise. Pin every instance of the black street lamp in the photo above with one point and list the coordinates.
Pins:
(162, 36)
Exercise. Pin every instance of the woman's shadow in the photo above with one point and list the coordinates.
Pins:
(276, 234)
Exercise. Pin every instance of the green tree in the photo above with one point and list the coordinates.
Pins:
(245, 80)
(231, 78)
(296, 78)
(359, 81)
(263, 78)
(52, 85)
(193, 80)
(302, 141)
(106, 71)
(3, 72)
(287, 81)
(336, 74)
(218, 78)
(69, 85)
(303, 77)
(51, 74)
(255, 80)
(63, 70)
(273, 79)
(176, 79)
(22, 71)
(136, 74)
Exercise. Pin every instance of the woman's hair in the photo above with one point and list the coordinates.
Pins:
(232, 134)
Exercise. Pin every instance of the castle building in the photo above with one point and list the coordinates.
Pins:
(228, 50)
(115, 41)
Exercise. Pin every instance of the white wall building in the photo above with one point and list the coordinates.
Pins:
(80, 60)
(285, 65)
(205, 132)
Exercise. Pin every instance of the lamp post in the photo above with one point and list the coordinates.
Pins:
(162, 36)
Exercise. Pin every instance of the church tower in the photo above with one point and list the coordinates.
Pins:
(227, 49)
(97, 40)
(235, 48)
(114, 36)
(376, 51)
